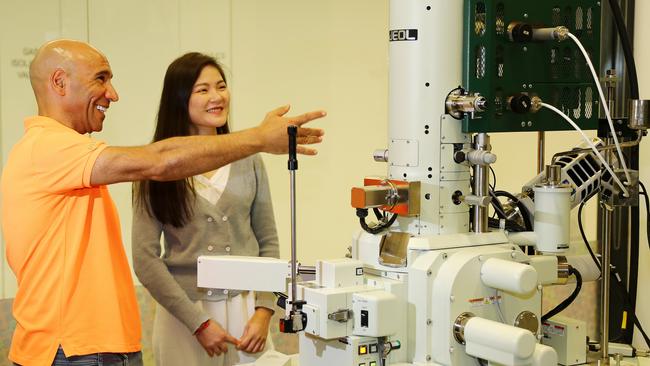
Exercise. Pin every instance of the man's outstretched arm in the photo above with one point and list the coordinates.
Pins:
(181, 157)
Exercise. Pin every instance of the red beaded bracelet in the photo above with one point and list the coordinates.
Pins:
(202, 327)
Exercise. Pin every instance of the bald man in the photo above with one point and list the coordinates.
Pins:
(75, 298)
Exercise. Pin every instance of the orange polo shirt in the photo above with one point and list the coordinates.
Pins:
(64, 245)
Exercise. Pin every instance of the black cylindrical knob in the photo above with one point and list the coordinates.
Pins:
(520, 103)
(520, 32)
(293, 159)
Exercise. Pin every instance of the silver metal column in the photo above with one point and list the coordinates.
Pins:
(605, 285)
(294, 258)
(481, 184)
(541, 147)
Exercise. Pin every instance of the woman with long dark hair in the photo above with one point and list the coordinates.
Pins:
(223, 212)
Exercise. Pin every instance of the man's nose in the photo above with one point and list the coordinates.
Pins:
(111, 93)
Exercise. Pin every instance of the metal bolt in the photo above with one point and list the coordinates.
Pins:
(428, 358)
(444, 255)
(525, 15)
(523, 124)
(429, 273)
(530, 123)
(524, 49)
(452, 298)
(429, 322)
(480, 258)
(530, 86)
(524, 86)
(513, 255)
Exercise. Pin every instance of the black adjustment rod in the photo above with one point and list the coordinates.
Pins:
(296, 319)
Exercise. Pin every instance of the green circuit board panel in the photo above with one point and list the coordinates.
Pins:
(499, 68)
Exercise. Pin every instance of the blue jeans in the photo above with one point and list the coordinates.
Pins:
(98, 359)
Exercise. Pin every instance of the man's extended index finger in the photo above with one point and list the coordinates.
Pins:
(306, 117)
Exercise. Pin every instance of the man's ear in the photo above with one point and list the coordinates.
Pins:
(58, 81)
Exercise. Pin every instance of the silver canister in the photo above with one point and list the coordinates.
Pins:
(639, 114)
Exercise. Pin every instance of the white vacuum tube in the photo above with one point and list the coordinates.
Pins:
(552, 209)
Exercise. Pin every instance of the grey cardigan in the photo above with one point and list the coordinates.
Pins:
(240, 223)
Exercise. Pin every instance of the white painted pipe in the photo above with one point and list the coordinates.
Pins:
(586, 266)
(544, 356)
(509, 276)
(526, 238)
(497, 342)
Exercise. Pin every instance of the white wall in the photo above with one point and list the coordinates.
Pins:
(64, 18)
(313, 55)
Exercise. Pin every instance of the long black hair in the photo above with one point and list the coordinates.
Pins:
(171, 202)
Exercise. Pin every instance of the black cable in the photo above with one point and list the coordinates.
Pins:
(635, 232)
(509, 225)
(627, 48)
(564, 304)
(507, 194)
(647, 208)
(525, 213)
(582, 230)
(496, 204)
(494, 175)
(282, 299)
(362, 213)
